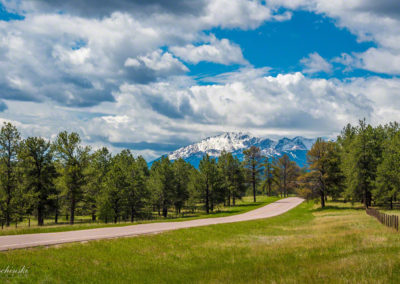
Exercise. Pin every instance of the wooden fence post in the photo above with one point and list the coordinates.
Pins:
(391, 221)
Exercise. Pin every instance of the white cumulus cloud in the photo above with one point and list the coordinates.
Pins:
(314, 63)
(218, 51)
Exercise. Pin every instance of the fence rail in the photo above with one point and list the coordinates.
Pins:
(386, 219)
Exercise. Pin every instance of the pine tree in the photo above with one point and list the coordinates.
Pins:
(96, 172)
(9, 146)
(361, 157)
(74, 159)
(113, 198)
(137, 192)
(269, 178)
(231, 176)
(182, 176)
(239, 180)
(325, 175)
(225, 167)
(388, 172)
(162, 184)
(286, 173)
(210, 183)
(252, 162)
(37, 163)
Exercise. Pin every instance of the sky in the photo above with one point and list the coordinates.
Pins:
(156, 75)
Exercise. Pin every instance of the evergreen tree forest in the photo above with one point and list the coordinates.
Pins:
(362, 165)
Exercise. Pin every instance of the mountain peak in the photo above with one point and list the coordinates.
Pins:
(236, 142)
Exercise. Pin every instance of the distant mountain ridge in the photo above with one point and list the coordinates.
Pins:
(235, 142)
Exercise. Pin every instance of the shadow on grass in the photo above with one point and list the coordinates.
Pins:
(249, 204)
(332, 207)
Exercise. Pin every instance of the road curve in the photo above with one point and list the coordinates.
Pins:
(46, 239)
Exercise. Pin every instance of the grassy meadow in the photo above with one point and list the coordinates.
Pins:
(340, 244)
(242, 206)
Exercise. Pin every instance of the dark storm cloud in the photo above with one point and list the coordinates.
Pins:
(10, 93)
(389, 8)
(148, 146)
(300, 120)
(100, 8)
(71, 92)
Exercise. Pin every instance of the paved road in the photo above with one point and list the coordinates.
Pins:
(45, 239)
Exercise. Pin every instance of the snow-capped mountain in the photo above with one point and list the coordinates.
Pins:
(236, 142)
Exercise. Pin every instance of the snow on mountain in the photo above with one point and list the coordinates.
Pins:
(213, 146)
(236, 142)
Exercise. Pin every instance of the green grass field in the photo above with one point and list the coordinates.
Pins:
(340, 244)
(242, 206)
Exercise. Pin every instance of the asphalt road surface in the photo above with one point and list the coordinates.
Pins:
(46, 239)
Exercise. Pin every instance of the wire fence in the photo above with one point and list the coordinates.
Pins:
(391, 221)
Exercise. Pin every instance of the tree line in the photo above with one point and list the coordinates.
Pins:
(44, 179)
(362, 165)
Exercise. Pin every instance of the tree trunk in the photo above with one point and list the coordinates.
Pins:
(40, 214)
(254, 183)
(322, 199)
(165, 209)
(8, 215)
(133, 213)
(165, 212)
(365, 198)
(72, 211)
(207, 200)
(233, 200)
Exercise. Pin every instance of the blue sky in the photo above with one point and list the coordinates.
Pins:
(281, 45)
(153, 76)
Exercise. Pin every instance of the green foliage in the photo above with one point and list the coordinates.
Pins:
(361, 155)
(211, 189)
(74, 160)
(39, 173)
(325, 176)
(388, 172)
(182, 176)
(163, 184)
(232, 177)
(96, 172)
(9, 148)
